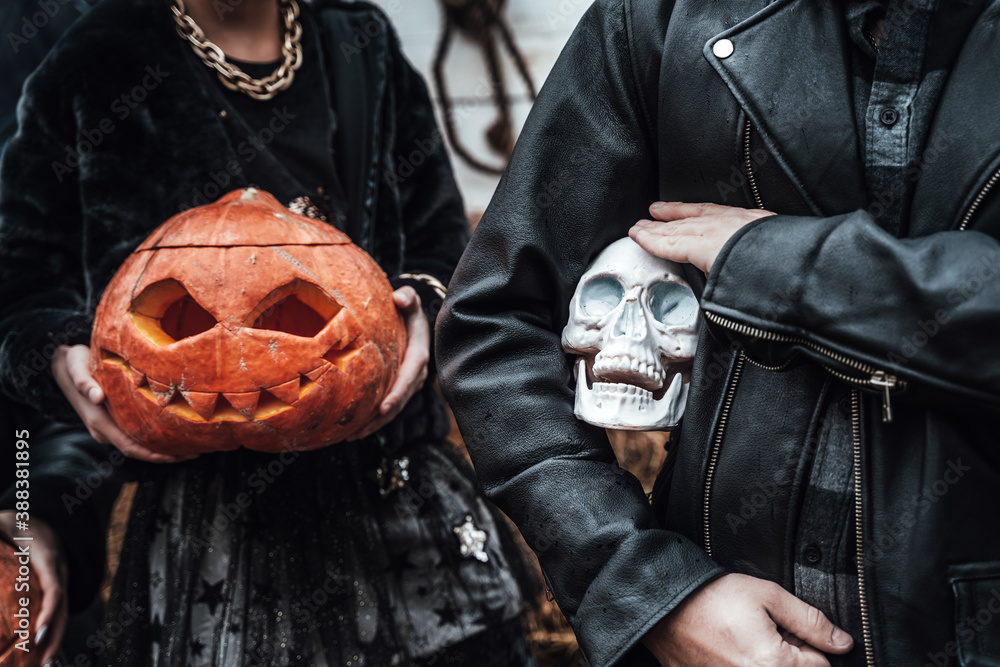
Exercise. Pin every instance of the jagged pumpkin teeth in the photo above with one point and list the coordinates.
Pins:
(163, 393)
(305, 384)
(113, 359)
(202, 403)
(316, 373)
(287, 392)
(340, 358)
(252, 326)
(158, 387)
(226, 411)
(269, 405)
(244, 403)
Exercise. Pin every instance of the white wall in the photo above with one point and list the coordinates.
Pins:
(540, 27)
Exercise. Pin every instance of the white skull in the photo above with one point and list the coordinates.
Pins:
(633, 321)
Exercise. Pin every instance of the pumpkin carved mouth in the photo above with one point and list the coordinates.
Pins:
(201, 406)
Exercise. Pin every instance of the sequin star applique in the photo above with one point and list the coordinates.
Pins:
(471, 540)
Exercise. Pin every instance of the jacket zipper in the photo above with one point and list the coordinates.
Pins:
(752, 180)
(713, 458)
(974, 206)
(859, 541)
(720, 429)
(876, 378)
(748, 165)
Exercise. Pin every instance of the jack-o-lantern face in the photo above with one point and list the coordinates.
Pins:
(242, 324)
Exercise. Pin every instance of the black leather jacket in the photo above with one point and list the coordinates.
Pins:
(638, 109)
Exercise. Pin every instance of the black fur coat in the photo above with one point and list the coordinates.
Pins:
(117, 133)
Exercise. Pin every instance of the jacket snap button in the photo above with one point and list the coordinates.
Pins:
(813, 555)
(723, 48)
(889, 116)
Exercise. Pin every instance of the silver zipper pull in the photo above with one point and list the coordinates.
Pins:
(888, 383)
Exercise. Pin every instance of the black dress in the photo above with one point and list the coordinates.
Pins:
(379, 552)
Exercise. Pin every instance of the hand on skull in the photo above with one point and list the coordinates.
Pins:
(633, 322)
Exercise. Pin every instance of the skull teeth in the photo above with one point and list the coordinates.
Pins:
(630, 370)
(625, 406)
(621, 388)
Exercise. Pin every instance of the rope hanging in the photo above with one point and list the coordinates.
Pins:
(481, 21)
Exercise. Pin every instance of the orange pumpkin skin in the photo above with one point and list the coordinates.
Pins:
(242, 324)
(10, 655)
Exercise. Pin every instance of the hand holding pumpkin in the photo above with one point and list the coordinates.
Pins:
(71, 368)
(413, 366)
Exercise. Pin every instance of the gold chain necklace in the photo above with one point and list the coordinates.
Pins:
(233, 77)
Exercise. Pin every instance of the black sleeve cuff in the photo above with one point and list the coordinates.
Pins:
(28, 377)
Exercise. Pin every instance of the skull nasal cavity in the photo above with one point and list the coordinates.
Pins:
(631, 322)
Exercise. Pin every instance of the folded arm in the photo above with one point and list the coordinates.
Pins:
(583, 171)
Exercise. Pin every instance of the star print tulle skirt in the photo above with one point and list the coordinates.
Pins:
(338, 557)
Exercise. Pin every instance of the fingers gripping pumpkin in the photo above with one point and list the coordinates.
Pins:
(241, 323)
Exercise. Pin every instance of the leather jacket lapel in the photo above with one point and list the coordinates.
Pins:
(954, 169)
(789, 70)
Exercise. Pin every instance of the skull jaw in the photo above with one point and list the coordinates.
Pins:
(627, 407)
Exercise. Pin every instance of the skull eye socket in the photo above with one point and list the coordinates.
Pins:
(165, 313)
(601, 295)
(672, 303)
(298, 308)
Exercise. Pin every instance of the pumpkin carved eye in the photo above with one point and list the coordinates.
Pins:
(298, 308)
(165, 313)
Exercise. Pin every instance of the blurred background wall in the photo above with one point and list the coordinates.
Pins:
(540, 29)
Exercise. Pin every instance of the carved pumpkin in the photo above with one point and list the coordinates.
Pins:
(10, 604)
(242, 324)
